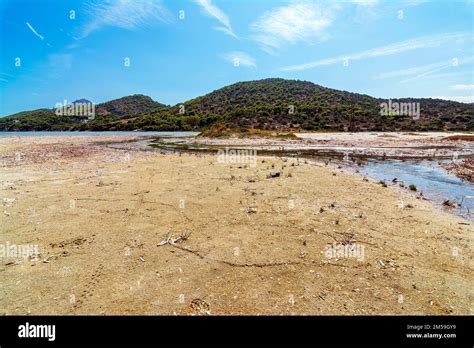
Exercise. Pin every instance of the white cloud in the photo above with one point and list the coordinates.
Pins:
(395, 48)
(462, 87)
(214, 11)
(238, 58)
(301, 21)
(461, 99)
(126, 14)
(419, 70)
(446, 75)
(424, 70)
(453, 63)
(304, 21)
(35, 32)
(366, 10)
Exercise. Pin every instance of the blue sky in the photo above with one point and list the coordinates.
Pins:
(56, 50)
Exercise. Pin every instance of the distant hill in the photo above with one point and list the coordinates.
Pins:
(107, 113)
(131, 105)
(264, 104)
(81, 101)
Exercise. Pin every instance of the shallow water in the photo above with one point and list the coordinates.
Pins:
(433, 181)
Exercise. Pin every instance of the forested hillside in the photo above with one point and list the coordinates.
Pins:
(264, 104)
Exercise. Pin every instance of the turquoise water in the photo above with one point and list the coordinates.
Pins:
(19, 134)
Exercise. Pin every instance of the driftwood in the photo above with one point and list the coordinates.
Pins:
(170, 240)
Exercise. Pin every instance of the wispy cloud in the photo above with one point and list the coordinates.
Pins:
(413, 2)
(238, 58)
(462, 87)
(446, 75)
(304, 21)
(418, 70)
(365, 10)
(436, 68)
(126, 14)
(364, 2)
(34, 31)
(424, 70)
(6, 74)
(72, 46)
(461, 99)
(58, 64)
(215, 12)
(300, 21)
(395, 48)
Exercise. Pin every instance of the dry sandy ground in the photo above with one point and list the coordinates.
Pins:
(257, 245)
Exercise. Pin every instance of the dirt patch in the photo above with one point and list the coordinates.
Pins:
(463, 169)
(460, 138)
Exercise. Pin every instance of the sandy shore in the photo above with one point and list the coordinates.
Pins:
(136, 232)
(365, 144)
(463, 169)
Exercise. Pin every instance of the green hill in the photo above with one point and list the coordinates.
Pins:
(270, 104)
(280, 104)
(136, 104)
(106, 114)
